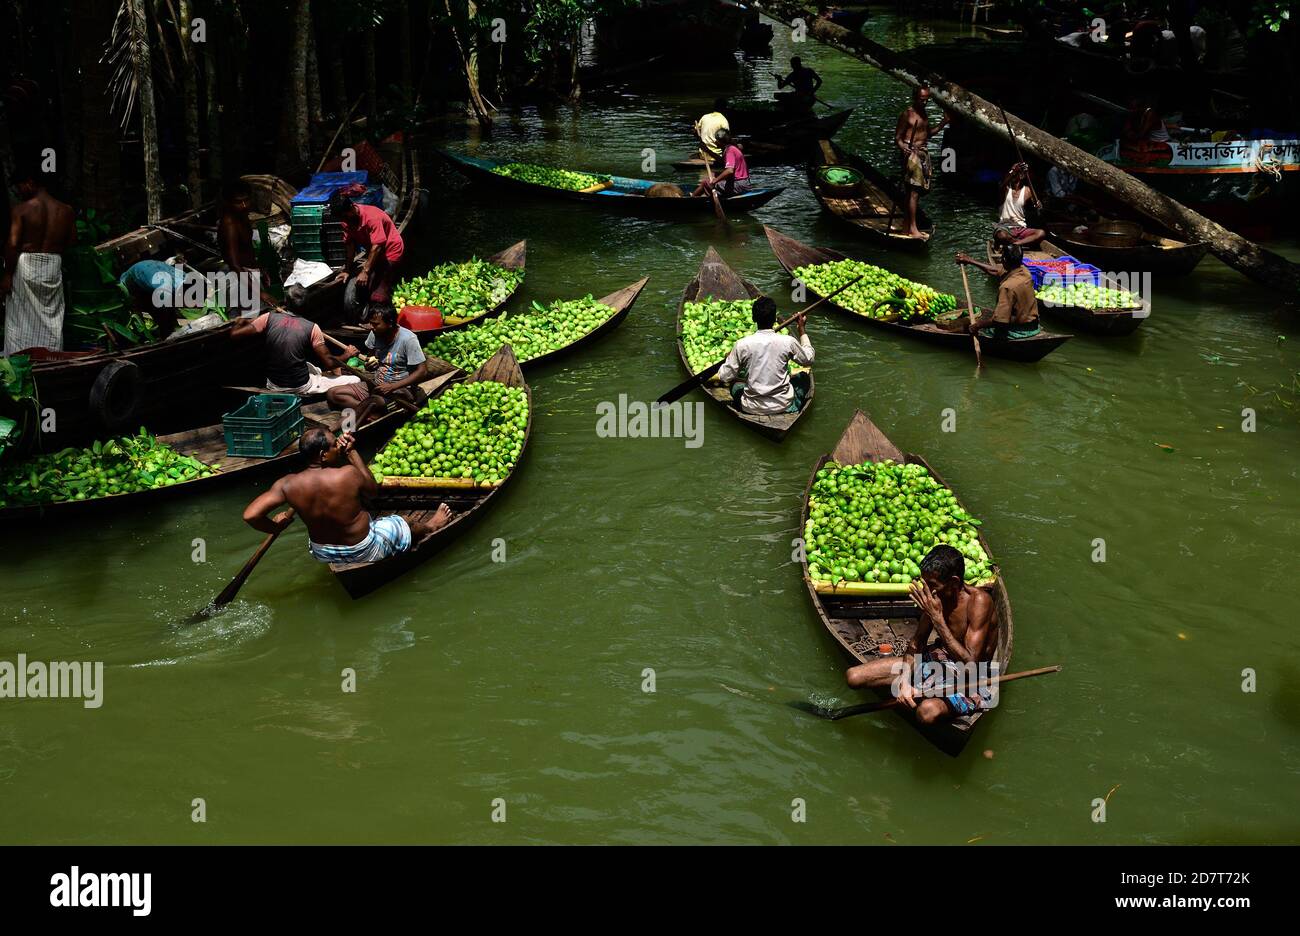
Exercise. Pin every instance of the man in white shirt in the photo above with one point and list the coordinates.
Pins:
(763, 358)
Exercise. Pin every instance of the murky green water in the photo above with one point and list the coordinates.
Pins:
(522, 680)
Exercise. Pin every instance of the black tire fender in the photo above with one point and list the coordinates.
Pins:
(116, 396)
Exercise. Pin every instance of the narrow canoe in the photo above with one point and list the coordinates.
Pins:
(791, 254)
(208, 445)
(468, 504)
(716, 280)
(878, 212)
(621, 194)
(513, 257)
(861, 624)
(1111, 322)
(782, 144)
(620, 301)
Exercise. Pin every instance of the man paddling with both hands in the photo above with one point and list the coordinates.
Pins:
(327, 495)
(763, 358)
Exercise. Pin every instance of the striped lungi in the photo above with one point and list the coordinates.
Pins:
(34, 312)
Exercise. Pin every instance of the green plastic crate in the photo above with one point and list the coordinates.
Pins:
(263, 426)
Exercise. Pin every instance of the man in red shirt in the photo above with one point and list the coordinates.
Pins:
(734, 177)
(369, 229)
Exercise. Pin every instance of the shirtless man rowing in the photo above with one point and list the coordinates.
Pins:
(42, 230)
(327, 495)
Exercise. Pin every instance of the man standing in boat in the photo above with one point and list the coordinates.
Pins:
(327, 495)
(1016, 314)
(402, 367)
(763, 358)
(291, 343)
(371, 230)
(42, 229)
(912, 136)
(937, 681)
(235, 236)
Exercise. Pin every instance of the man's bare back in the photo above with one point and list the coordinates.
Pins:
(329, 502)
(45, 225)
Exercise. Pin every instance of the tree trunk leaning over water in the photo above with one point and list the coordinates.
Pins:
(468, 49)
(1247, 257)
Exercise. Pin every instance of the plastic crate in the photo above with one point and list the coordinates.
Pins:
(340, 178)
(1079, 272)
(263, 426)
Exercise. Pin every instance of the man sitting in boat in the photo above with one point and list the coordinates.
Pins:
(1016, 191)
(291, 345)
(327, 495)
(734, 177)
(708, 127)
(912, 137)
(1016, 314)
(763, 358)
(402, 367)
(804, 83)
(964, 622)
(41, 230)
(369, 229)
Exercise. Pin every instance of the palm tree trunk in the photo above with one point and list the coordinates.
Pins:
(299, 137)
(212, 106)
(142, 65)
(315, 117)
(372, 93)
(190, 80)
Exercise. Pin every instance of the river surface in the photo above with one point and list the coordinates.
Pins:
(518, 686)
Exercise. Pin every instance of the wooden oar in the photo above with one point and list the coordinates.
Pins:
(866, 708)
(717, 202)
(1020, 157)
(230, 591)
(690, 383)
(970, 313)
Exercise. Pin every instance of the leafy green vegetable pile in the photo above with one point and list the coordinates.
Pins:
(459, 290)
(876, 521)
(530, 334)
(879, 294)
(473, 430)
(118, 466)
(545, 175)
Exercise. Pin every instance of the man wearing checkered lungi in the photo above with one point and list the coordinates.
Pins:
(42, 230)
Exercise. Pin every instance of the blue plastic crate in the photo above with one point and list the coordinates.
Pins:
(1081, 272)
(341, 178)
(263, 426)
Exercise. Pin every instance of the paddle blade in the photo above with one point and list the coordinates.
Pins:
(690, 383)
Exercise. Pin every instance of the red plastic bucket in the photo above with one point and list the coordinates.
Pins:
(420, 318)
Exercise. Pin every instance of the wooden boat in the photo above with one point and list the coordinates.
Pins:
(512, 258)
(783, 144)
(104, 393)
(791, 254)
(1111, 322)
(862, 624)
(878, 211)
(467, 503)
(1159, 256)
(621, 193)
(716, 280)
(208, 445)
(620, 301)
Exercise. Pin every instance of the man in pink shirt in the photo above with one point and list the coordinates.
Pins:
(734, 178)
(368, 229)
